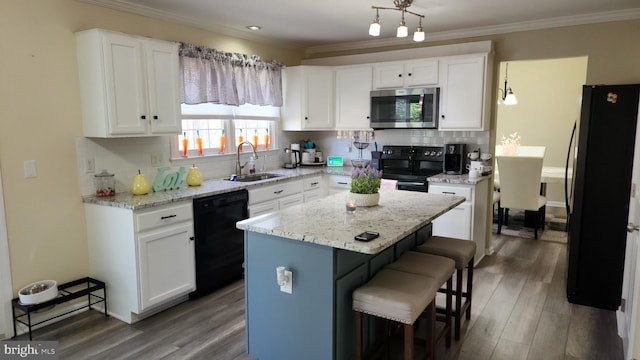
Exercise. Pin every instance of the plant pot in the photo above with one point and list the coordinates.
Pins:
(365, 199)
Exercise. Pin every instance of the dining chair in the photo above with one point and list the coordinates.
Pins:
(520, 189)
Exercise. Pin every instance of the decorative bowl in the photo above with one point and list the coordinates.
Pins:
(38, 292)
(360, 162)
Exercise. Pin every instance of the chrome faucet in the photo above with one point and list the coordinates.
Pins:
(238, 166)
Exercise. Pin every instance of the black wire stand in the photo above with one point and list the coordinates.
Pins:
(66, 292)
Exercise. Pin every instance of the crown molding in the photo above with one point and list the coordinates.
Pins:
(126, 6)
(622, 15)
(610, 16)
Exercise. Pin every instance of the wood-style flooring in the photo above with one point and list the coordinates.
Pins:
(520, 311)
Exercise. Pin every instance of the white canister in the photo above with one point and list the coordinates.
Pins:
(308, 157)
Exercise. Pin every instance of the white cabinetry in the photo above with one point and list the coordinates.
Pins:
(352, 89)
(271, 198)
(128, 85)
(338, 183)
(462, 89)
(308, 98)
(146, 256)
(412, 73)
(468, 220)
(313, 188)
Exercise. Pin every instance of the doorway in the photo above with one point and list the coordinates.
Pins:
(6, 292)
(548, 93)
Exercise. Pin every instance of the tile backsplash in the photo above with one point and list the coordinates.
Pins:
(125, 156)
(330, 145)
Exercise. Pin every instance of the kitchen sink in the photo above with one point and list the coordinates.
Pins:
(256, 177)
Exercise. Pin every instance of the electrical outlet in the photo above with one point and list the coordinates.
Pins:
(30, 169)
(156, 159)
(90, 165)
(288, 287)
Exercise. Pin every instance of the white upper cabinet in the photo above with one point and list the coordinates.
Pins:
(412, 73)
(352, 89)
(129, 85)
(462, 88)
(308, 98)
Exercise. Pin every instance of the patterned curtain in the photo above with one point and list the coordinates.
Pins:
(212, 76)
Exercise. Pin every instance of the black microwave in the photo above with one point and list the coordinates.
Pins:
(405, 108)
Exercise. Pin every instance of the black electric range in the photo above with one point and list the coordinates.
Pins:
(411, 165)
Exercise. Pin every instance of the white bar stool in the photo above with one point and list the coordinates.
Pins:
(439, 268)
(397, 296)
(462, 252)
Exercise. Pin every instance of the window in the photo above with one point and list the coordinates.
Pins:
(204, 125)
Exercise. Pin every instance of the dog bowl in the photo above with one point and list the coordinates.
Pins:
(38, 292)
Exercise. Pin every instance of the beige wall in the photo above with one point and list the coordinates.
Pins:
(40, 120)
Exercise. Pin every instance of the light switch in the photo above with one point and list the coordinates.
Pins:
(30, 169)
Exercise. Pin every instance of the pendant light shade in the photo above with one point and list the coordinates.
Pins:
(374, 28)
(402, 31)
(510, 99)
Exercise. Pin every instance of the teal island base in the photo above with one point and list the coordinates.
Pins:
(315, 321)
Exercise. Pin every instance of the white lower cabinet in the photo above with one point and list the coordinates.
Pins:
(165, 255)
(338, 183)
(269, 198)
(146, 257)
(468, 220)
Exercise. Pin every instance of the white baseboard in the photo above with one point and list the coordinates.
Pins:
(559, 204)
(71, 309)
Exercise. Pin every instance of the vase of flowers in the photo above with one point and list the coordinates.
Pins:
(365, 183)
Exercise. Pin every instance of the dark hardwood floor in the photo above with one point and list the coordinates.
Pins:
(520, 311)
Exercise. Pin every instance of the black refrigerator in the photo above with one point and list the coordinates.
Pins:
(597, 200)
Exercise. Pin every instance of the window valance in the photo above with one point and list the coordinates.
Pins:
(213, 76)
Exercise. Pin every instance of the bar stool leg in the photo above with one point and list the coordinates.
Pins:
(469, 287)
(408, 341)
(448, 311)
(458, 304)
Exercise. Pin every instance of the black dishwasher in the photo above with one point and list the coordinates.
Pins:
(219, 246)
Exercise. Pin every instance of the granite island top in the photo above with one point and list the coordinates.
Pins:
(324, 221)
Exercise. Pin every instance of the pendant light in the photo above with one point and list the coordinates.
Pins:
(402, 30)
(508, 97)
(374, 28)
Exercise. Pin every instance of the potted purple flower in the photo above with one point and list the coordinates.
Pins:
(365, 183)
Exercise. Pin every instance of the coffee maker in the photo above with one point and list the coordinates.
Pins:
(454, 159)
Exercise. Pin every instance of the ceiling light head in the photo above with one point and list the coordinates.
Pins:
(374, 28)
(254, 27)
(418, 35)
(402, 31)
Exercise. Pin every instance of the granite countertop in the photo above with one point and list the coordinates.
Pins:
(127, 200)
(325, 221)
(457, 179)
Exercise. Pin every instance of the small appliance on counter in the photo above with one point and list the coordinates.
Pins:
(294, 159)
(454, 159)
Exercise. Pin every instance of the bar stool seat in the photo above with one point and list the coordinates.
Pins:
(396, 296)
(462, 252)
(441, 269)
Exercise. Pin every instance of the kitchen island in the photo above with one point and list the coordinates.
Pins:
(315, 241)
